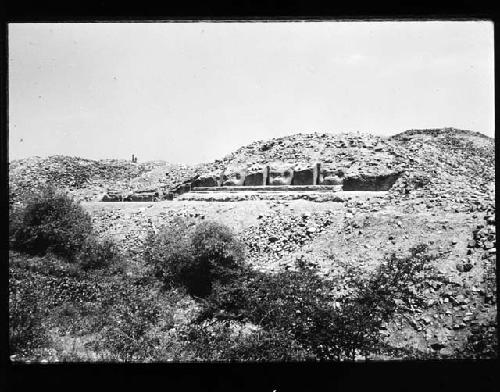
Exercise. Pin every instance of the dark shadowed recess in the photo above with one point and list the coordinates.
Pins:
(370, 183)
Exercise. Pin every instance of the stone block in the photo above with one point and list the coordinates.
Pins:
(111, 197)
(182, 188)
(141, 197)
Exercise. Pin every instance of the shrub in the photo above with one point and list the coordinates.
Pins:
(52, 221)
(217, 341)
(26, 331)
(15, 222)
(96, 254)
(396, 285)
(216, 245)
(168, 251)
(299, 304)
(398, 280)
(267, 346)
(296, 304)
(195, 259)
(129, 317)
(47, 265)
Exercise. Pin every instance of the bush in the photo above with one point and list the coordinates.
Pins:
(52, 222)
(47, 265)
(267, 346)
(217, 341)
(95, 255)
(15, 222)
(168, 251)
(299, 304)
(397, 283)
(194, 259)
(130, 321)
(215, 244)
(296, 304)
(26, 331)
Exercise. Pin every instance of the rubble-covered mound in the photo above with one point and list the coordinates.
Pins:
(441, 194)
(87, 179)
(446, 168)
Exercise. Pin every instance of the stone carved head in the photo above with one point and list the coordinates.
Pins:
(234, 176)
(280, 174)
(331, 176)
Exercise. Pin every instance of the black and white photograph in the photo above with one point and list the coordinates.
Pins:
(251, 191)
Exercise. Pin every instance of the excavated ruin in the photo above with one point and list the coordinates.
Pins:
(271, 177)
(434, 164)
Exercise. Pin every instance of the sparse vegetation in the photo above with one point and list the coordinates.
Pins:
(193, 296)
(26, 315)
(300, 305)
(128, 318)
(244, 314)
(52, 221)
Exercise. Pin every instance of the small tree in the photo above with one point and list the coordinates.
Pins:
(216, 246)
(52, 221)
(195, 259)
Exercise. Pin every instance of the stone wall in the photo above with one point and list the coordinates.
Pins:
(285, 174)
(272, 174)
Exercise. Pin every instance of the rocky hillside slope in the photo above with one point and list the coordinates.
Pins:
(444, 198)
(449, 168)
(446, 166)
(88, 179)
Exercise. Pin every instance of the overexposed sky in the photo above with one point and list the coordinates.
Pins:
(193, 92)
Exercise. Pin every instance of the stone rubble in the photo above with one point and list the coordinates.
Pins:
(89, 180)
(442, 171)
(278, 233)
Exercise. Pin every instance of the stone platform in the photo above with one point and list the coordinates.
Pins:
(269, 188)
(319, 196)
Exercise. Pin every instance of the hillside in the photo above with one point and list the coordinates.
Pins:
(450, 168)
(437, 163)
(88, 179)
(444, 198)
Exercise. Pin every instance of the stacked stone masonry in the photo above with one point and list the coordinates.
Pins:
(286, 176)
(269, 176)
